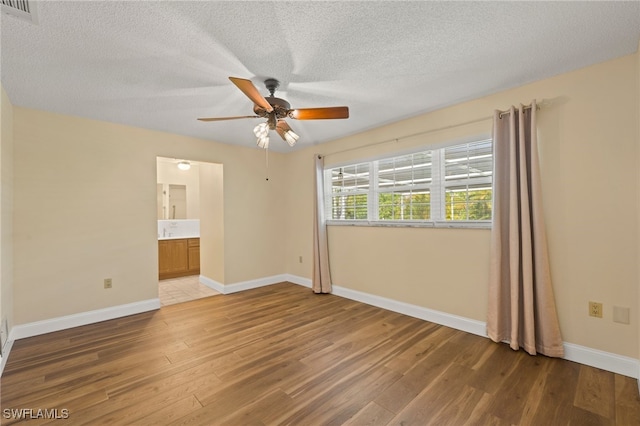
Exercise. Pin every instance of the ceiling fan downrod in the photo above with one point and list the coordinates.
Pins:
(272, 85)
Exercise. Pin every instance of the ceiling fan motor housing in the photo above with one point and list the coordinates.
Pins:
(280, 107)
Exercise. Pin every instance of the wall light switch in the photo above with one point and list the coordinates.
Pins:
(621, 315)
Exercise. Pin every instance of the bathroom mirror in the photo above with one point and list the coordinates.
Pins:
(171, 201)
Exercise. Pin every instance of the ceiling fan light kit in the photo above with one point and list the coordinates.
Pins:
(275, 110)
(262, 133)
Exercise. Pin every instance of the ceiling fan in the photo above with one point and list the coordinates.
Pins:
(275, 110)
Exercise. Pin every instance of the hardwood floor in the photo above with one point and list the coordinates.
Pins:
(283, 355)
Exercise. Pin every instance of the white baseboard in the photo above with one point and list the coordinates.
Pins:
(243, 285)
(454, 321)
(219, 287)
(69, 321)
(305, 282)
(6, 350)
(608, 361)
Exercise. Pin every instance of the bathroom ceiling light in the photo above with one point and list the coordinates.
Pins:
(184, 165)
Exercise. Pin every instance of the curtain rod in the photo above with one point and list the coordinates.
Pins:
(477, 120)
(524, 107)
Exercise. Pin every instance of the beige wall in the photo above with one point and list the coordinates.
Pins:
(589, 157)
(638, 261)
(85, 210)
(212, 221)
(6, 210)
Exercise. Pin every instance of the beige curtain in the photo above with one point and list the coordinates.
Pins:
(521, 307)
(321, 282)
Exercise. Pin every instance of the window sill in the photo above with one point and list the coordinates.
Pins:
(472, 224)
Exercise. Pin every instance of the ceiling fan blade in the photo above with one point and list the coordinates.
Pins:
(319, 113)
(247, 87)
(227, 118)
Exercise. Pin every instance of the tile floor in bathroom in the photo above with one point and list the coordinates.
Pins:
(183, 289)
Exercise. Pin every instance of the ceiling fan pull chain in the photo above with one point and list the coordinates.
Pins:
(266, 157)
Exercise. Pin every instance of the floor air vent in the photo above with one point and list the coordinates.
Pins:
(23, 9)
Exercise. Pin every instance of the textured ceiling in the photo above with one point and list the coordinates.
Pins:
(160, 65)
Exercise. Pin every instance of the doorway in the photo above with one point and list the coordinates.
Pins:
(190, 228)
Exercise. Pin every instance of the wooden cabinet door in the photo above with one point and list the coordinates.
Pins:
(194, 255)
(165, 261)
(194, 259)
(173, 257)
(180, 256)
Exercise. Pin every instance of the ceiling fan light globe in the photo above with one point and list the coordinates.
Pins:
(291, 137)
(263, 142)
(261, 129)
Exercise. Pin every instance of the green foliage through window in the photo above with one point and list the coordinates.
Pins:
(404, 206)
(352, 207)
(468, 204)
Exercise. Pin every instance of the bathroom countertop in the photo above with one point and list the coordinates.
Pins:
(180, 237)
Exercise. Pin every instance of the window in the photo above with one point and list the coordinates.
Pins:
(468, 171)
(439, 187)
(350, 192)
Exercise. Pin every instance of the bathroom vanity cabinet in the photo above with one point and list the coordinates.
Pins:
(178, 257)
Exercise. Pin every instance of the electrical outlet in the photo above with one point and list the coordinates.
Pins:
(108, 283)
(595, 309)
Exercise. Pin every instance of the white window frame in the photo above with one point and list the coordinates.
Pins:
(437, 189)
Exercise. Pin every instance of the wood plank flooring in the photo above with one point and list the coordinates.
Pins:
(283, 355)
